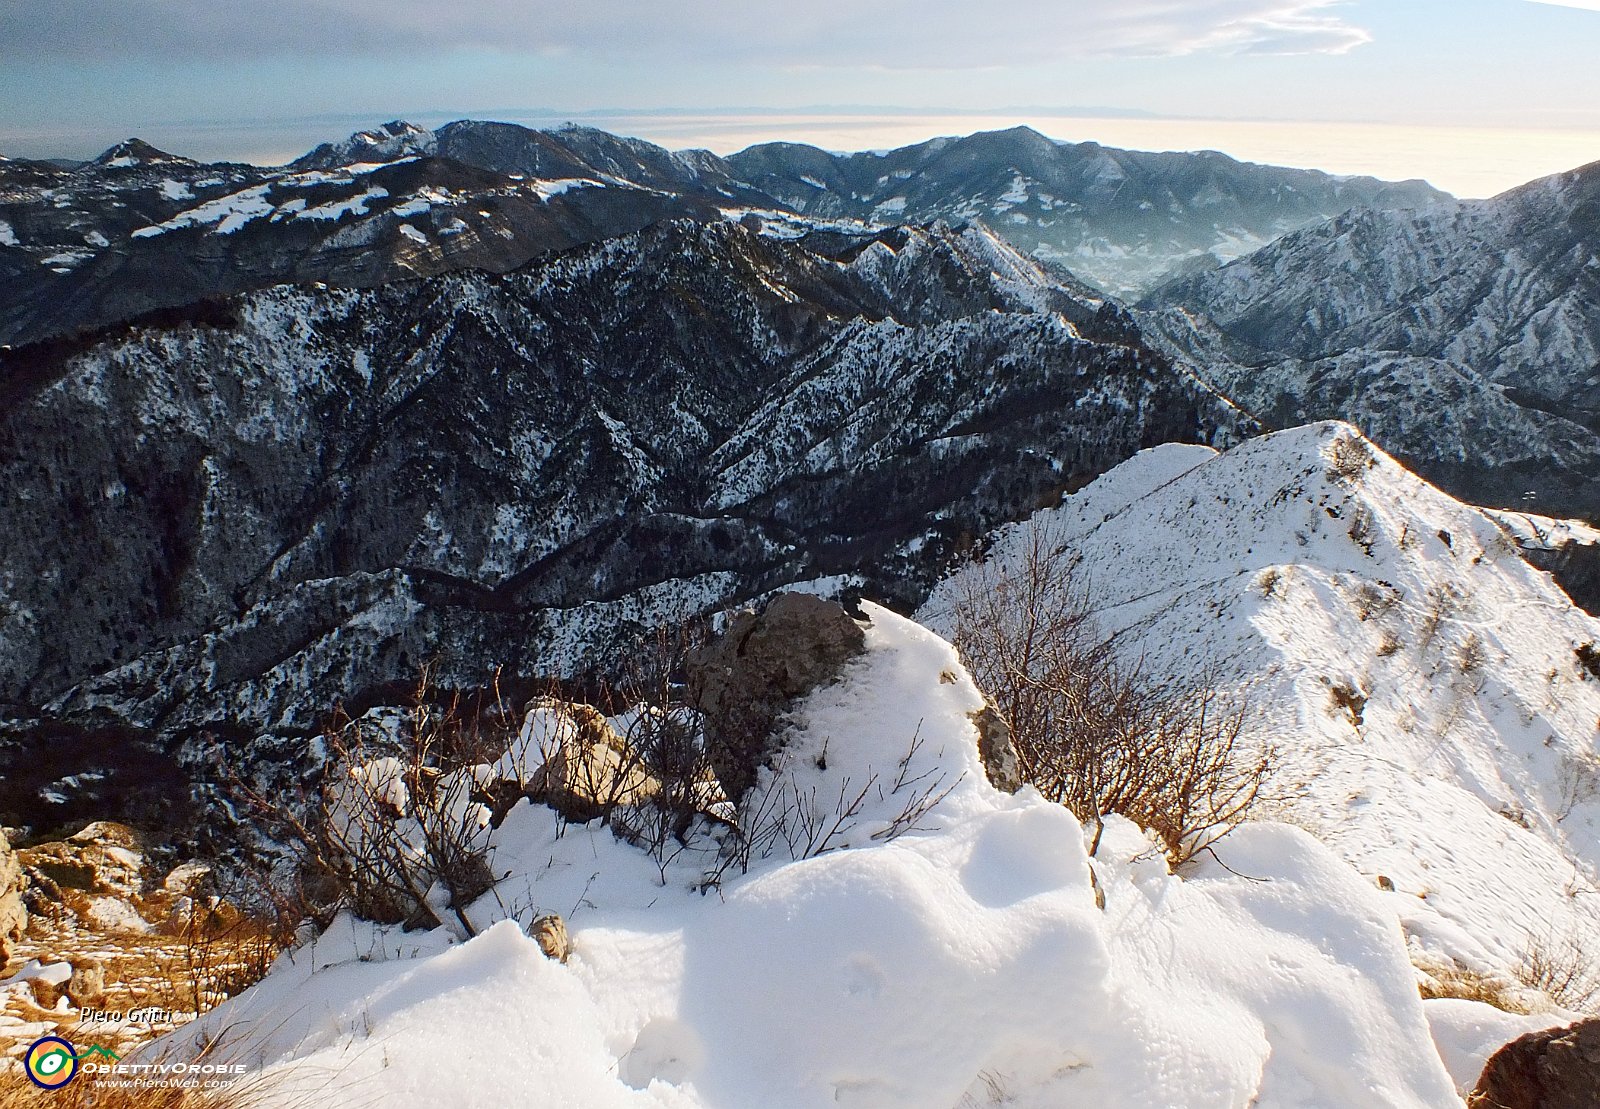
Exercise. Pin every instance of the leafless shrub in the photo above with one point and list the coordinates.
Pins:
(1389, 644)
(1472, 654)
(1563, 966)
(1363, 525)
(226, 956)
(1094, 731)
(391, 833)
(1348, 699)
(789, 815)
(1349, 459)
(1442, 603)
(1269, 581)
(1373, 599)
(665, 734)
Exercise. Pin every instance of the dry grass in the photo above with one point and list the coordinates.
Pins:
(186, 971)
(1562, 966)
(1452, 980)
(1558, 967)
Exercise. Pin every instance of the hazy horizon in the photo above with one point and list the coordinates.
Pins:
(1468, 162)
(1476, 97)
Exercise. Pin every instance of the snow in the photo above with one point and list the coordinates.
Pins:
(890, 209)
(412, 233)
(560, 185)
(54, 974)
(176, 190)
(350, 206)
(1470, 777)
(958, 959)
(229, 213)
(66, 259)
(8, 237)
(1468, 1032)
(1016, 193)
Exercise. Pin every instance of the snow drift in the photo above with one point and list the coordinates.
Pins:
(960, 960)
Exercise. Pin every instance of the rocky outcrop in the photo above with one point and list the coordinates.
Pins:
(999, 754)
(13, 913)
(745, 680)
(95, 875)
(588, 769)
(1558, 1068)
(550, 933)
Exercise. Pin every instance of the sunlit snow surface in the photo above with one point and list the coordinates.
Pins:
(1470, 781)
(963, 963)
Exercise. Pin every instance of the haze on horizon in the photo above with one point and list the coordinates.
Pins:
(1476, 99)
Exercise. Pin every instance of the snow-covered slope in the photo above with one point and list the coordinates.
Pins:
(961, 964)
(1487, 309)
(295, 498)
(1440, 729)
(1124, 219)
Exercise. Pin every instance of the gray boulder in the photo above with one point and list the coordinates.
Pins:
(744, 681)
(999, 754)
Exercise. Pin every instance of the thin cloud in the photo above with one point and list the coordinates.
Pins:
(1586, 5)
(827, 33)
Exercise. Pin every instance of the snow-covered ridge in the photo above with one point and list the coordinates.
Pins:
(1423, 681)
(964, 962)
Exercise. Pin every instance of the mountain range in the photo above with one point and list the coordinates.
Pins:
(136, 229)
(299, 496)
(1465, 337)
(505, 398)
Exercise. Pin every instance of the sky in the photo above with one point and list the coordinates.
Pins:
(1474, 95)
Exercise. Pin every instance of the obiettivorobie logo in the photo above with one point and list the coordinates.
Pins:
(52, 1062)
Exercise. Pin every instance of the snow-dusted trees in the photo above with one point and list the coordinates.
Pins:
(1095, 730)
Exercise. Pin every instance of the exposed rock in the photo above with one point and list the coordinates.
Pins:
(1558, 1068)
(746, 679)
(999, 754)
(185, 879)
(550, 932)
(13, 913)
(101, 858)
(588, 768)
(87, 986)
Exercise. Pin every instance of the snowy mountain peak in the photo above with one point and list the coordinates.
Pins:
(386, 143)
(132, 153)
(1465, 337)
